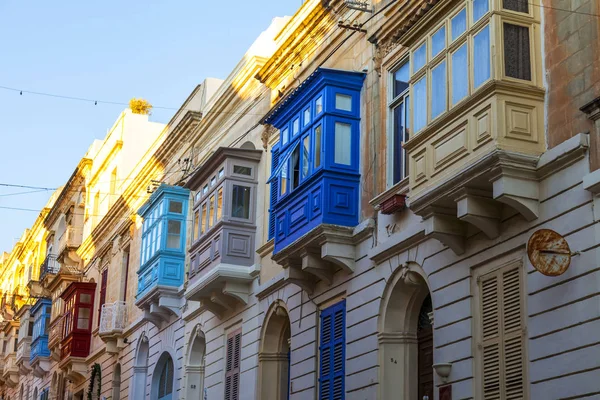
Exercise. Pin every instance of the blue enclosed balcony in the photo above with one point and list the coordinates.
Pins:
(39, 356)
(162, 258)
(315, 175)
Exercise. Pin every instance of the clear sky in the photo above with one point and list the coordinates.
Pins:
(108, 50)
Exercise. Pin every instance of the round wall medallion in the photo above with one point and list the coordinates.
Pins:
(549, 252)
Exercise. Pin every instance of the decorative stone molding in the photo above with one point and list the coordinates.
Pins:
(269, 131)
(397, 338)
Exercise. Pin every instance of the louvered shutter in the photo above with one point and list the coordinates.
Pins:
(232, 367)
(102, 293)
(332, 352)
(502, 337)
(274, 191)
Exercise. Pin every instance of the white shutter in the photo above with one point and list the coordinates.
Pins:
(501, 337)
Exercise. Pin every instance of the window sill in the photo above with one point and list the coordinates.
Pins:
(399, 189)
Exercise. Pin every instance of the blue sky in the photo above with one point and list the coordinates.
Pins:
(108, 50)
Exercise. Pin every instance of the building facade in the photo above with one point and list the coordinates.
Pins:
(345, 216)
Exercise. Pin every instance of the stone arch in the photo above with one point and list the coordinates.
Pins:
(116, 382)
(405, 294)
(165, 362)
(274, 355)
(194, 367)
(248, 146)
(140, 366)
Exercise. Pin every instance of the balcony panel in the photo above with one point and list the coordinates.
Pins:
(39, 348)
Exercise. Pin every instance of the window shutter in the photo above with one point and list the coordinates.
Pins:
(232, 372)
(332, 368)
(274, 191)
(502, 341)
(102, 293)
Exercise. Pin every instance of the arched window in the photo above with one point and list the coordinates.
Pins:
(165, 383)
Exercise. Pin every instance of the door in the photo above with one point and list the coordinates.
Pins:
(425, 355)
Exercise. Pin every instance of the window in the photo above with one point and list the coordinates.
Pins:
(501, 339)
(175, 207)
(103, 285)
(274, 192)
(442, 81)
(205, 189)
(239, 169)
(317, 159)
(305, 156)
(283, 179)
(398, 113)
(165, 382)
(203, 220)
(332, 352)
(343, 102)
(517, 61)
(83, 318)
(319, 105)
(29, 328)
(221, 173)
(516, 5)
(232, 365)
(306, 116)
(213, 181)
(343, 144)
(295, 126)
(195, 233)
(174, 234)
(125, 272)
(295, 167)
(219, 203)
(211, 211)
(285, 136)
(240, 202)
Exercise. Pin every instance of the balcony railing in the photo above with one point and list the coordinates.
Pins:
(113, 318)
(50, 266)
(71, 237)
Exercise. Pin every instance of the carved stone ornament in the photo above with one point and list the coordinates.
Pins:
(410, 278)
(115, 245)
(382, 50)
(267, 132)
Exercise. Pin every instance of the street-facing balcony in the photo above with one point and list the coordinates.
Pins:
(160, 277)
(113, 322)
(222, 249)
(315, 176)
(39, 356)
(55, 336)
(50, 266)
(68, 242)
(24, 339)
(10, 370)
(77, 329)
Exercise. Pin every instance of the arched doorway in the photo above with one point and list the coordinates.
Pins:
(274, 356)
(406, 336)
(163, 378)
(116, 383)
(140, 368)
(195, 365)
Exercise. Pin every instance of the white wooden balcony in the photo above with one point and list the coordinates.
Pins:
(113, 321)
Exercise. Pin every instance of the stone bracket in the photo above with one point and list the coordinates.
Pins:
(448, 229)
(341, 254)
(312, 263)
(300, 278)
(480, 211)
(518, 192)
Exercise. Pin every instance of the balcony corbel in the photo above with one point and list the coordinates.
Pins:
(479, 209)
(443, 225)
(518, 187)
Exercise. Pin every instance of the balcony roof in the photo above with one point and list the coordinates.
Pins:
(221, 154)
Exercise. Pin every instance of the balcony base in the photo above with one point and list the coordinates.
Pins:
(160, 304)
(40, 366)
(114, 341)
(320, 253)
(11, 378)
(75, 369)
(222, 288)
(24, 367)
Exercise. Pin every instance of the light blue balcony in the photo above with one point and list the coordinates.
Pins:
(162, 258)
(39, 353)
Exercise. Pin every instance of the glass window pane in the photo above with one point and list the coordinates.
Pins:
(517, 62)
(420, 57)
(459, 24)
(306, 116)
(240, 202)
(438, 90)
(85, 298)
(211, 211)
(219, 204)
(481, 56)
(195, 232)
(284, 136)
(516, 5)
(213, 181)
(221, 173)
(283, 180)
(401, 77)
(317, 162)
(173, 234)
(438, 41)
(205, 189)
(305, 155)
(480, 7)
(343, 102)
(203, 220)
(238, 169)
(175, 206)
(460, 77)
(83, 318)
(397, 151)
(295, 168)
(296, 126)
(420, 104)
(319, 105)
(343, 144)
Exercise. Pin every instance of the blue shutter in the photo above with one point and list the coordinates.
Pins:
(274, 190)
(332, 352)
